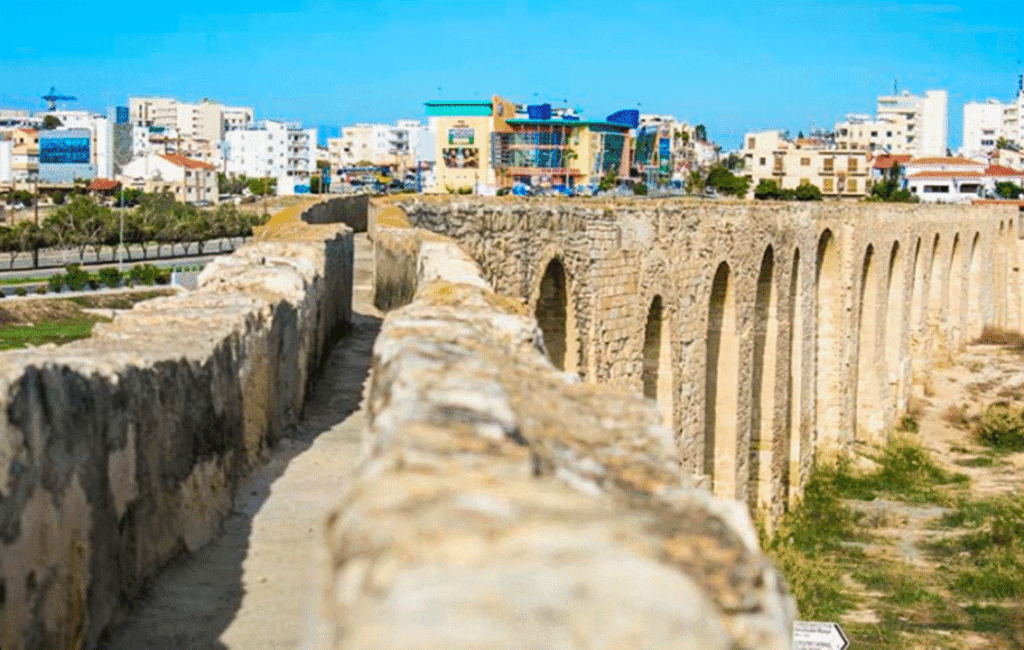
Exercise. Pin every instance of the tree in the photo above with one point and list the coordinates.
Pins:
(1008, 190)
(807, 192)
(314, 184)
(888, 189)
(768, 189)
(1002, 143)
(725, 182)
(51, 122)
(607, 181)
(695, 183)
(262, 186)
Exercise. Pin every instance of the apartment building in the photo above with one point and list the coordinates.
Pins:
(100, 130)
(837, 172)
(986, 123)
(19, 149)
(673, 147)
(398, 146)
(273, 149)
(903, 124)
(195, 130)
(190, 181)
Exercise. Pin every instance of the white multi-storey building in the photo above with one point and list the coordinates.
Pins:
(101, 131)
(985, 123)
(273, 149)
(165, 125)
(398, 146)
(904, 124)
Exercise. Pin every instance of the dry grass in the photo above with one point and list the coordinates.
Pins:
(956, 415)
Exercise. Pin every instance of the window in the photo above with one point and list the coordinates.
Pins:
(874, 134)
(762, 161)
(829, 164)
(750, 143)
(851, 165)
(804, 162)
(936, 189)
(804, 181)
(778, 163)
(827, 185)
(851, 185)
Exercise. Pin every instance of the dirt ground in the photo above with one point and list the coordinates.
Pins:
(905, 537)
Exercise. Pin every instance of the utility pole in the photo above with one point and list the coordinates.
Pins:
(35, 247)
(120, 236)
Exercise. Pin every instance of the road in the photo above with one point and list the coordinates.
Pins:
(249, 587)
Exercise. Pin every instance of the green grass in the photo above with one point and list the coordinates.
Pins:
(55, 331)
(978, 585)
(15, 281)
(903, 470)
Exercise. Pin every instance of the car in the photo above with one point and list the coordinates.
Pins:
(201, 203)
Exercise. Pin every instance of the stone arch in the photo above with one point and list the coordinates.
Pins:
(792, 479)
(869, 418)
(918, 309)
(934, 308)
(975, 314)
(656, 375)
(762, 412)
(956, 288)
(894, 332)
(554, 313)
(1001, 292)
(721, 378)
(829, 335)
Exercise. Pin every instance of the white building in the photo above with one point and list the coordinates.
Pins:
(190, 181)
(274, 149)
(101, 131)
(397, 146)
(985, 123)
(956, 180)
(904, 124)
(196, 130)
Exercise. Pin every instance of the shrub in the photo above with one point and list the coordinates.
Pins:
(55, 282)
(640, 189)
(21, 291)
(1001, 426)
(110, 276)
(143, 274)
(908, 423)
(41, 289)
(75, 277)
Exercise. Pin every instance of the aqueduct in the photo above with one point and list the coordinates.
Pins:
(764, 331)
(556, 387)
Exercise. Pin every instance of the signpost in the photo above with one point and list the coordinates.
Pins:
(810, 635)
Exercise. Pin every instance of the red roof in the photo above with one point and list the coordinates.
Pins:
(947, 174)
(954, 160)
(187, 163)
(103, 184)
(885, 161)
(1000, 170)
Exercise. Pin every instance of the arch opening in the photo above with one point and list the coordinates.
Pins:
(869, 417)
(792, 480)
(829, 335)
(657, 362)
(975, 315)
(762, 412)
(955, 300)
(894, 333)
(721, 375)
(552, 313)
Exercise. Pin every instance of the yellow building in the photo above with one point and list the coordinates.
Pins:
(484, 145)
(838, 173)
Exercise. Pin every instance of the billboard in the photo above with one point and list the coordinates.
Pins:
(461, 158)
(64, 150)
(460, 135)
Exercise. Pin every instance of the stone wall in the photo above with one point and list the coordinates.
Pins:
(765, 331)
(350, 210)
(502, 503)
(124, 449)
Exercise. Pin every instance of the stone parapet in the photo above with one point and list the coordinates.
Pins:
(500, 503)
(121, 450)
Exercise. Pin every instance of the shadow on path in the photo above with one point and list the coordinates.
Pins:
(248, 587)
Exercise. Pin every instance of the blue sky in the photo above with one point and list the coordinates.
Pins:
(735, 66)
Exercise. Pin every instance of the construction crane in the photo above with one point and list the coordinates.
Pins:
(52, 98)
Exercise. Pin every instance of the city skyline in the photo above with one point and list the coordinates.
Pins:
(790, 65)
